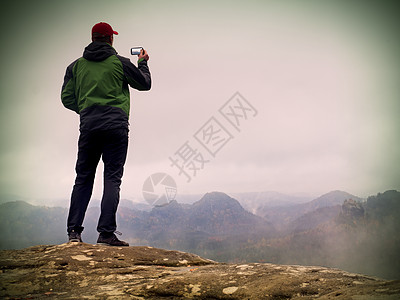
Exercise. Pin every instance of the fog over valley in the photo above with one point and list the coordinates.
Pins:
(336, 229)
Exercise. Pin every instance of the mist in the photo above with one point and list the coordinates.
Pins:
(357, 235)
(322, 77)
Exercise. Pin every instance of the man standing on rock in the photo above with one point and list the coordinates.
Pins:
(96, 87)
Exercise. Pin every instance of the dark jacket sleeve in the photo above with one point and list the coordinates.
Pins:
(68, 90)
(138, 77)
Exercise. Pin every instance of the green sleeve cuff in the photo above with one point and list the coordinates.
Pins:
(140, 60)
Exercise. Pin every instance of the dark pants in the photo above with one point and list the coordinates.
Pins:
(112, 146)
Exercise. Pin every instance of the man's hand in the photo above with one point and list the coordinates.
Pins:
(143, 55)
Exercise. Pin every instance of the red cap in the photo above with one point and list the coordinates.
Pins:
(104, 29)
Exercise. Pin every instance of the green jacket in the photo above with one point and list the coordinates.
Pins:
(96, 87)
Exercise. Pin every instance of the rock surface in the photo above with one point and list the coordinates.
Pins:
(84, 271)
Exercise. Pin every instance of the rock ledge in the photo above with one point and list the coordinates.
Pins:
(84, 271)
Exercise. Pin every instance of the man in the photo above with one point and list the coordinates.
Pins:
(96, 87)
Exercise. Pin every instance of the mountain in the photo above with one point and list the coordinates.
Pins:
(358, 236)
(23, 225)
(218, 214)
(256, 201)
(314, 219)
(330, 199)
(213, 223)
(4, 198)
(282, 216)
(384, 207)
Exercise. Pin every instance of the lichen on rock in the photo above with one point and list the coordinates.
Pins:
(84, 271)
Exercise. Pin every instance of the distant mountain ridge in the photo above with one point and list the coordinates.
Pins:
(254, 201)
(325, 231)
(23, 225)
(282, 216)
(214, 216)
(225, 212)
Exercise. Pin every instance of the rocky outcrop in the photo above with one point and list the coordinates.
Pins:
(84, 271)
(352, 209)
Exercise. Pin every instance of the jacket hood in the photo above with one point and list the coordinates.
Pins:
(98, 51)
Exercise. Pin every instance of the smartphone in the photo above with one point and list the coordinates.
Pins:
(136, 50)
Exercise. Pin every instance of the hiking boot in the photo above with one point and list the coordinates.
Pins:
(74, 236)
(110, 240)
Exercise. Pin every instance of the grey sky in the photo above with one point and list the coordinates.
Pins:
(323, 77)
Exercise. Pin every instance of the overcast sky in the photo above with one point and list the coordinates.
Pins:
(319, 82)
